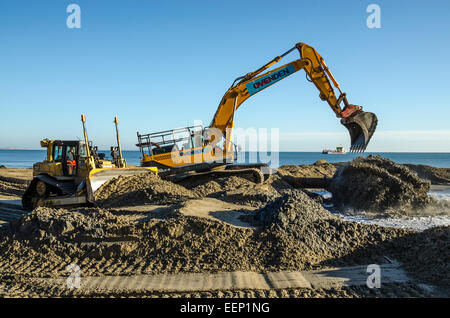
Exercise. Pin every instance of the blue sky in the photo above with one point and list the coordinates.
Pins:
(163, 64)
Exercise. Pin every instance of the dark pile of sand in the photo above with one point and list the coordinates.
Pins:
(145, 188)
(319, 169)
(295, 233)
(294, 207)
(103, 242)
(377, 184)
(302, 236)
(288, 176)
(426, 254)
(433, 174)
(232, 189)
(301, 231)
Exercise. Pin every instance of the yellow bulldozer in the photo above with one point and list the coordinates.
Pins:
(73, 170)
(194, 150)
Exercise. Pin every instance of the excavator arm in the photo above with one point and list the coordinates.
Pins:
(361, 125)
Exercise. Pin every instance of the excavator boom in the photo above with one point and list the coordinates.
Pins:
(361, 125)
(191, 151)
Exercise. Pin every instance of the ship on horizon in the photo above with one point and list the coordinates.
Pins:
(339, 150)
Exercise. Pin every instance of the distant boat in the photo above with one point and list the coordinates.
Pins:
(338, 151)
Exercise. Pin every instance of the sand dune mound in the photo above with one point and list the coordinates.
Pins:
(102, 242)
(301, 235)
(44, 223)
(319, 169)
(295, 233)
(379, 185)
(294, 207)
(427, 254)
(233, 189)
(145, 188)
(292, 230)
(433, 174)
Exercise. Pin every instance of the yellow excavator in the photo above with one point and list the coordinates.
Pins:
(73, 170)
(194, 150)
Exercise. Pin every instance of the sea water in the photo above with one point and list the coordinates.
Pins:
(26, 158)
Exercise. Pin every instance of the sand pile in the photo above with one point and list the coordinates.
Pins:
(44, 223)
(294, 207)
(377, 184)
(232, 189)
(296, 233)
(302, 234)
(145, 188)
(433, 174)
(288, 176)
(101, 243)
(58, 234)
(319, 169)
(426, 255)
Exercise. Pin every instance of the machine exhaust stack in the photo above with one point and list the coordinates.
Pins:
(121, 163)
(86, 140)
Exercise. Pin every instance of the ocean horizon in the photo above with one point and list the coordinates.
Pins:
(26, 158)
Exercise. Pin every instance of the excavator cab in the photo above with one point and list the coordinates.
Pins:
(181, 150)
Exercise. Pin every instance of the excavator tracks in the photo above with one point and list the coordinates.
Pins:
(256, 175)
(250, 172)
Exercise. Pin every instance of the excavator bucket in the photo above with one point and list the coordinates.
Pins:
(361, 127)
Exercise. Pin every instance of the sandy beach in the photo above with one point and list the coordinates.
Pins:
(230, 231)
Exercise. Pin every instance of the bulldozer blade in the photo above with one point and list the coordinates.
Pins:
(361, 127)
(97, 179)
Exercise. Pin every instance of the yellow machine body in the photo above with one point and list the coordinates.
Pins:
(71, 173)
(162, 149)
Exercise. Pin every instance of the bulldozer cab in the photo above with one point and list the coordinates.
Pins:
(68, 153)
(65, 158)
